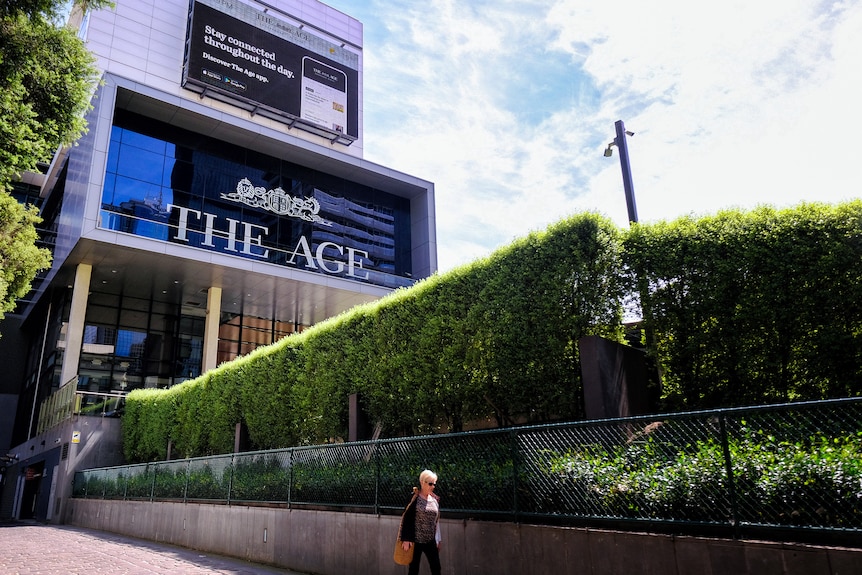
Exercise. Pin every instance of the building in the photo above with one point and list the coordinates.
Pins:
(219, 201)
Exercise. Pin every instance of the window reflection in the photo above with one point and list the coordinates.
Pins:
(131, 343)
(152, 165)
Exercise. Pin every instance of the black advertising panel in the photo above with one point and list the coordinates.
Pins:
(273, 64)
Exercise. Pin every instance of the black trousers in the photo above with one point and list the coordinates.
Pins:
(429, 549)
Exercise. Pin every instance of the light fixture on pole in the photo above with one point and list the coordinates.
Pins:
(620, 143)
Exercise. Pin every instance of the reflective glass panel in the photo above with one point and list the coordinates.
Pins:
(177, 186)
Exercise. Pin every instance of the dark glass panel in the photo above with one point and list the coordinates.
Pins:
(98, 314)
(130, 343)
(141, 165)
(143, 142)
(200, 173)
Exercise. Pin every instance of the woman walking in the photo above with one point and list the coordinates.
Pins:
(420, 526)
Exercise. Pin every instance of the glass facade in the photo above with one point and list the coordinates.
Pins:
(178, 186)
(131, 343)
(240, 335)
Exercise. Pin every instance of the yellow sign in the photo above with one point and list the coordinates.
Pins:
(76, 437)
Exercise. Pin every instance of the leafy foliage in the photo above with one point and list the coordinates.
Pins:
(20, 259)
(750, 308)
(738, 308)
(812, 482)
(46, 80)
(493, 341)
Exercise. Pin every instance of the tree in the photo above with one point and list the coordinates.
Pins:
(46, 80)
(20, 259)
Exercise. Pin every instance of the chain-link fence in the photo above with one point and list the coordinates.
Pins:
(792, 465)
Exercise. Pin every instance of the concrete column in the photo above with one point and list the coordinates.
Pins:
(75, 327)
(211, 329)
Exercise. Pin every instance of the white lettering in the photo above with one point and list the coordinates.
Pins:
(231, 235)
(208, 230)
(321, 261)
(352, 261)
(249, 239)
(306, 253)
(183, 225)
(253, 243)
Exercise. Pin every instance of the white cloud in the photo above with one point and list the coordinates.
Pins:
(507, 107)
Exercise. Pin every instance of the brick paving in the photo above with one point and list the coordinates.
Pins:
(36, 549)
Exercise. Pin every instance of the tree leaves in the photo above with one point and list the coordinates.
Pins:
(46, 79)
(740, 308)
(20, 259)
(753, 307)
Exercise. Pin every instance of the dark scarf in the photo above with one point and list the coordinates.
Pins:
(408, 518)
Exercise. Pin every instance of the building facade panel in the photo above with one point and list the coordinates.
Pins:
(190, 227)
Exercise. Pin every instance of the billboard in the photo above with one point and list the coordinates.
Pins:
(263, 63)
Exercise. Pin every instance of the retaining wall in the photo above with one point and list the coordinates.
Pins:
(336, 543)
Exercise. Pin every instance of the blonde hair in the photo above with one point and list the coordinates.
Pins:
(427, 475)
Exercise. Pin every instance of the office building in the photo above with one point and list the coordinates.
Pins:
(219, 201)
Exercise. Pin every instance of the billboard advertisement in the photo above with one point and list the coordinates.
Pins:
(254, 58)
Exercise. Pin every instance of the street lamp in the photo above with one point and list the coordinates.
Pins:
(620, 142)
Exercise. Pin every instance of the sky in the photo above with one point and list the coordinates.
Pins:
(508, 106)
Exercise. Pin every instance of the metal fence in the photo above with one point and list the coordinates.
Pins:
(794, 466)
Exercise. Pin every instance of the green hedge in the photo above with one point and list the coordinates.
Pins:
(748, 308)
(494, 340)
(740, 308)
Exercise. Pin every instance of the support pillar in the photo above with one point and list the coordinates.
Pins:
(211, 327)
(75, 327)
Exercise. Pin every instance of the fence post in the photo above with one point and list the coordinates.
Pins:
(230, 479)
(290, 478)
(153, 483)
(728, 469)
(514, 446)
(186, 484)
(377, 477)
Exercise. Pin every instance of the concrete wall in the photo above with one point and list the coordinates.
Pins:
(99, 445)
(333, 543)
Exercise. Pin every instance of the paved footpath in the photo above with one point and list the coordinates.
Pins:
(35, 549)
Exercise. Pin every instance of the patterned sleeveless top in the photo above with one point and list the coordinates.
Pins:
(427, 513)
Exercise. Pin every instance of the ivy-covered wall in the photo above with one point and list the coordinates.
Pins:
(738, 308)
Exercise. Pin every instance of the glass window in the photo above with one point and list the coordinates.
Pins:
(136, 303)
(100, 314)
(99, 335)
(134, 318)
(130, 343)
(143, 142)
(143, 165)
(151, 165)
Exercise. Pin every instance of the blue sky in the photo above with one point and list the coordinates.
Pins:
(507, 107)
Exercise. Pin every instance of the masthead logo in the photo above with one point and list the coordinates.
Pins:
(276, 201)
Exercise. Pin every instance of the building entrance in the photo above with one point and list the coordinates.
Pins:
(33, 475)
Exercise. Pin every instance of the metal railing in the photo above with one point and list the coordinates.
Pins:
(791, 466)
(68, 401)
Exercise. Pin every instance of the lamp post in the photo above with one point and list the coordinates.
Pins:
(620, 143)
